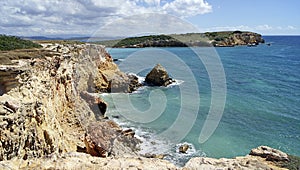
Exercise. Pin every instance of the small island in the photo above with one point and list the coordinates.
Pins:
(216, 39)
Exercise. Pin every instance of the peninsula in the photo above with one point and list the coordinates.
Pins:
(216, 39)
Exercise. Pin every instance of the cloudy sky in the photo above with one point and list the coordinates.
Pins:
(121, 17)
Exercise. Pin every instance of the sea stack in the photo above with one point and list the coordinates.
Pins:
(158, 76)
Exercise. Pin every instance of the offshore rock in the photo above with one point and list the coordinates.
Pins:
(158, 76)
(183, 148)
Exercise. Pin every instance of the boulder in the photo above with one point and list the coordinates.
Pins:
(269, 153)
(107, 138)
(183, 148)
(158, 76)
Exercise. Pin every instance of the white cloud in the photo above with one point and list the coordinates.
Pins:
(225, 28)
(84, 16)
(185, 8)
(291, 27)
(263, 27)
(151, 23)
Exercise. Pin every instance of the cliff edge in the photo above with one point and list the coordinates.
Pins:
(51, 119)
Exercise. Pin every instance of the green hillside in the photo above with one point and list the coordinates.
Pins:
(12, 42)
(218, 39)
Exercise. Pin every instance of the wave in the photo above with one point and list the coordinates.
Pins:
(153, 144)
(141, 80)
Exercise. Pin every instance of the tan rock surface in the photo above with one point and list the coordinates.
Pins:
(45, 113)
(238, 163)
(45, 122)
(269, 153)
(80, 161)
(158, 76)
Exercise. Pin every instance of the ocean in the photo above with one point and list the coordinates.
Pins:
(225, 100)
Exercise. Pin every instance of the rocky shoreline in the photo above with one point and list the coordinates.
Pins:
(50, 117)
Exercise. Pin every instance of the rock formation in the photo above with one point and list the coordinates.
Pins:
(208, 39)
(47, 109)
(183, 148)
(269, 153)
(50, 120)
(112, 80)
(104, 138)
(257, 159)
(158, 76)
(238, 38)
(77, 160)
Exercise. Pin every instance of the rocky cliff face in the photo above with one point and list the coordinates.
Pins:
(50, 120)
(46, 108)
(237, 38)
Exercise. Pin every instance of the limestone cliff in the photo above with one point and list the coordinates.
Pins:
(45, 107)
(50, 120)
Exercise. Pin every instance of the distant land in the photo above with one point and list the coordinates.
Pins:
(216, 39)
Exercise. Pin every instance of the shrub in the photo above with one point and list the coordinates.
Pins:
(12, 42)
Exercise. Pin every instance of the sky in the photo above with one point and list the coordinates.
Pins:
(137, 17)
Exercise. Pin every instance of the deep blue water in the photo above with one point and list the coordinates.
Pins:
(262, 99)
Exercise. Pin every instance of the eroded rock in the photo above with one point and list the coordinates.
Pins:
(107, 138)
(96, 104)
(158, 76)
(45, 113)
(269, 153)
(183, 148)
(112, 80)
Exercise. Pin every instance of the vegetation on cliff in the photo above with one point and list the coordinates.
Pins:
(13, 42)
(218, 39)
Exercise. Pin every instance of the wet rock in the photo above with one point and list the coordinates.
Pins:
(115, 116)
(128, 132)
(269, 153)
(158, 76)
(183, 148)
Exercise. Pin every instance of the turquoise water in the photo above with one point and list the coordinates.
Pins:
(262, 100)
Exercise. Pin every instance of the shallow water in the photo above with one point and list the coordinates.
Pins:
(262, 99)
